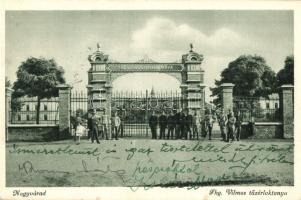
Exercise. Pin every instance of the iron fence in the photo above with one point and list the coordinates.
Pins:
(261, 109)
(134, 109)
(24, 111)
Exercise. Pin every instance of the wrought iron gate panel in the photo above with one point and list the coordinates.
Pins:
(134, 109)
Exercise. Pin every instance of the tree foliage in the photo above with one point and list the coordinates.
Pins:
(286, 75)
(38, 77)
(251, 76)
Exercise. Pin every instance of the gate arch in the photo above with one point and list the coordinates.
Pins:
(103, 72)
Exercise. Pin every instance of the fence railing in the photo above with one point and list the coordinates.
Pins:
(261, 109)
(24, 111)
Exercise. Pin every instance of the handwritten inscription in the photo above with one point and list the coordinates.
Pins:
(167, 164)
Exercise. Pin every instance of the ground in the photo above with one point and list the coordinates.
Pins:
(145, 162)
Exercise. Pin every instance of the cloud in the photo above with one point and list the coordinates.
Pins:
(163, 39)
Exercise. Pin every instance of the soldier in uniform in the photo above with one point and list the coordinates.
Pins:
(208, 124)
(171, 125)
(105, 126)
(95, 123)
(153, 121)
(116, 125)
(162, 125)
(230, 126)
(182, 123)
(222, 121)
(195, 121)
(189, 125)
(121, 127)
(89, 124)
(177, 124)
(238, 125)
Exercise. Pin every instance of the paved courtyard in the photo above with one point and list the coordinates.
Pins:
(142, 162)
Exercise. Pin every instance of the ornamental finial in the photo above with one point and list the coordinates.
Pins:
(191, 47)
(98, 46)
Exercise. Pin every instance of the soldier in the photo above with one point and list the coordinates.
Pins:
(230, 126)
(153, 121)
(222, 121)
(95, 122)
(238, 124)
(121, 127)
(89, 124)
(189, 124)
(182, 119)
(116, 120)
(105, 126)
(195, 121)
(171, 124)
(177, 124)
(162, 125)
(208, 124)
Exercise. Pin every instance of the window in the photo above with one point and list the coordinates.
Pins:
(27, 107)
(45, 107)
(19, 117)
(36, 107)
(45, 117)
(267, 106)
(276, 105)
(27, 117)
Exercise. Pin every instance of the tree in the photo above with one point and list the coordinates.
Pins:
(250, 75)
(286, 75)
(38, 77)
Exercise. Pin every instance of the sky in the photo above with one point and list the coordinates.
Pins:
(164, 36)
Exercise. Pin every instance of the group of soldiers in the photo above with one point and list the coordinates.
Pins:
(185, 124)
(98, 126)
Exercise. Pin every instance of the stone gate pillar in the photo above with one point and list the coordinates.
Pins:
(287, 110)
(192, 78)
(227, 96)
(8, 94)
(64, 110)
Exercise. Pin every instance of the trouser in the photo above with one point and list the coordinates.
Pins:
(162, 132)
(183, 131)
(230, 133)
(105, 132)
(89, 133)
(95, 134)
(195, 132)
(178, 131)
(209, 131)
(170, 132)
(121, 130)
(237, 131)
(188, 132)
(223, 134)
(154, 132)
(251, 128)
(116, 130)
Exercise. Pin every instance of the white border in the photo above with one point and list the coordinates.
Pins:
(155, 193)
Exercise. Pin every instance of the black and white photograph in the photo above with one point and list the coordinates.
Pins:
(146, 99)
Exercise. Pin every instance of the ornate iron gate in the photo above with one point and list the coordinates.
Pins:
(134, 110)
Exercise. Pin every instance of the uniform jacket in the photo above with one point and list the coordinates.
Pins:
(153, 120)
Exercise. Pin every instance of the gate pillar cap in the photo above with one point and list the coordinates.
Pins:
(201, 85)
(64, 86)
(108, 85)
(184, 86)
(227, 85)
(89, 86)
(287, 86)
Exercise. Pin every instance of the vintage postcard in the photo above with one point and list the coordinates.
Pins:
(133, 102)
